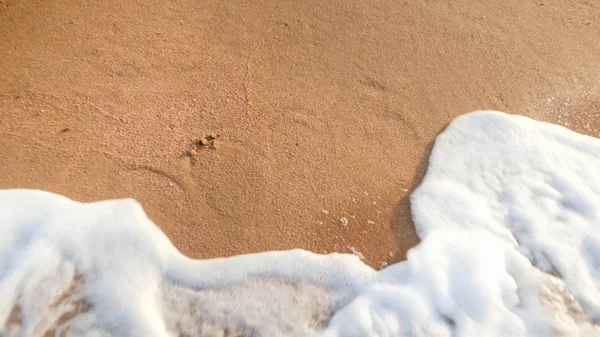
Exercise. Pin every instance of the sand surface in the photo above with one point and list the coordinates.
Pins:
(325, 111)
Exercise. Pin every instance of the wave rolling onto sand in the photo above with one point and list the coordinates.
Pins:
(508, 214)
(247, 129)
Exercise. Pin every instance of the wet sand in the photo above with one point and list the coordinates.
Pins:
(325, 111)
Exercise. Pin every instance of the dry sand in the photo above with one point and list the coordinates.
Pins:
(319, 105)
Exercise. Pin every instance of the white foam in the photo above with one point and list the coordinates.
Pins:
(531, 184)
(503, 195)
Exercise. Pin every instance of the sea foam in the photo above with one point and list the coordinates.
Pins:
(507, 212)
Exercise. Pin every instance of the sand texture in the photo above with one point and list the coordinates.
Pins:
(266, 125)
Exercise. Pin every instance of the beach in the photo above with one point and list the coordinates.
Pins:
(274, 125)
(248, 143)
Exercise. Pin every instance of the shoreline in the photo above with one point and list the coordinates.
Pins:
(315, 104)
